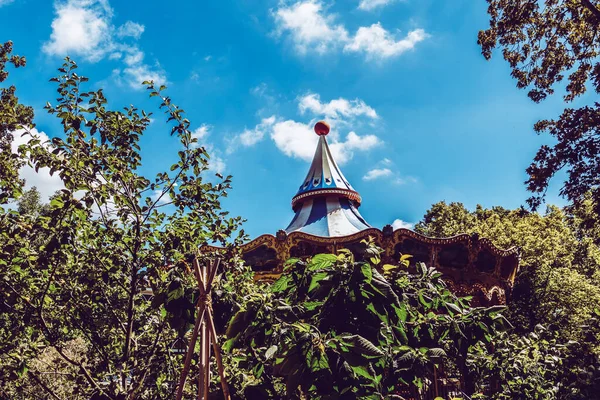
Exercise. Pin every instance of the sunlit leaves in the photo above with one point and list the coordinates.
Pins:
(337, 327)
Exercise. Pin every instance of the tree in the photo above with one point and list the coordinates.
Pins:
(332, 327)
(544, 41)
(13, 116)
(105, 240)
(557, 287)
(30, 203)
(559, 265)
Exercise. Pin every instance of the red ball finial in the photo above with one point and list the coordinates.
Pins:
(321, 128)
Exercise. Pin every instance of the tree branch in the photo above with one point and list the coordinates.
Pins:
(43, 385)
(592, 8)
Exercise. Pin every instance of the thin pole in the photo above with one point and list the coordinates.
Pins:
(205, 272)
(190, 351)
(217, 350)
(206, 365)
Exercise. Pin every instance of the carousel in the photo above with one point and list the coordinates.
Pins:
(327, 219)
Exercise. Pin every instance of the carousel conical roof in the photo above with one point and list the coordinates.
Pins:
(326, 204)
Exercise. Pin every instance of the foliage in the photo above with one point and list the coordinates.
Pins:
(543, 41)
(30, 203)
(103, 241)
(522, 367)
(558, 260)
(13, 116)
(332, 327)
(557, 287)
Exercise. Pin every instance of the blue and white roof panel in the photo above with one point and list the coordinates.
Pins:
(327, 216)
(326, 204)
(324, 172)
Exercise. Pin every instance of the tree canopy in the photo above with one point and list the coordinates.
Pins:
(547, 43)
(74, 276)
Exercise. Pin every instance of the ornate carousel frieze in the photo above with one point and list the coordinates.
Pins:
(327, 219)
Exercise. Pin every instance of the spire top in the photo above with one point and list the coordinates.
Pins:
(321, 128)
(326, 204)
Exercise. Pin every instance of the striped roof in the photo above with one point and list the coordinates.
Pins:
(326, 204)
(324, 175)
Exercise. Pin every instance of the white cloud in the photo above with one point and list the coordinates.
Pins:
(81, 27)
(344, 151)
(336, 108)
(84, 28)
(384, 170)
(399, 224)
(295, 139)
(162, 198)
(298, 140)
(376, 42)
(216, 164)
(369, 5)
(46, 184)
(5, 2)
(377, 173)
(252, 136)
(137, 74)
(311, 29)
(201, 132)
(399, 180)
(131, 29)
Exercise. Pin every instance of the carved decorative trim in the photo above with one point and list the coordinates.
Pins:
(465, 277)
(351, 194)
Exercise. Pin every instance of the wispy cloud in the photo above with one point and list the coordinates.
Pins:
(377, 173)
(252, 136)
(84, 28)
(311, 29)
(383, 170)
(376, 42)
(130, 29)
(335, 109)
(369, 5)
(201, 132)
(5, 2)
(399, 224)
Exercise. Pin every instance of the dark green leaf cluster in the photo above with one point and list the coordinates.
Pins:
(333, 328)
(546, 43)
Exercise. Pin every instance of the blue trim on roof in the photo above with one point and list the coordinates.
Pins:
(317, 220)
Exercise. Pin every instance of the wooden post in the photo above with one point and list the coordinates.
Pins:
(204, 327)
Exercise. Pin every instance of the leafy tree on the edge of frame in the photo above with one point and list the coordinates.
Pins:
(558, 287)
(549, 44)
(72, 278)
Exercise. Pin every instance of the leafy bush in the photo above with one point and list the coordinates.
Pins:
(331, 327)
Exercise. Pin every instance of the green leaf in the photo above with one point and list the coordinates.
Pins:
(281, 284)
(321, 261)
(312, 305)
(388, 268)
(318, 277)
(367, 272)
(57, 202)
(362, 371)
(361, 345)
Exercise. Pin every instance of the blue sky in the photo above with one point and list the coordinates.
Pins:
(417, 114)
